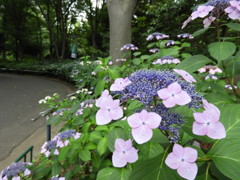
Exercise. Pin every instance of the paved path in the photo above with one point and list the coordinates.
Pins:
(19, 96)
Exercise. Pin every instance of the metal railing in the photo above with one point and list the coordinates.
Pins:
(24, 155)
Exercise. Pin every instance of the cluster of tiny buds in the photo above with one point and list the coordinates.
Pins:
(129, 47)
(167, 60)
(170, 43)
(230, 87)
(154, 50)
(157, 36)
(83, 106)
(15, 170)
(185, 36)
(60, 140)
(59, 112)
(121, 60)
(84, 91)
(44, 101)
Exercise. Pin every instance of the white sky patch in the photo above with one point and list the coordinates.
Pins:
(83, 16)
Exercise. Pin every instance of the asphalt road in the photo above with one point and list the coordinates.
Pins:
(19, 96)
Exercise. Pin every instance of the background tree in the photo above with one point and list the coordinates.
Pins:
(120, 15)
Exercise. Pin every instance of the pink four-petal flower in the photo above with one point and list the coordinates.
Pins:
(207, 123)
(183, 159)
(142, 124)
(174, 95)
(201, 12)
(103, 98)
(120, 84)
(124, 153)
(185, 75)
(109, 110)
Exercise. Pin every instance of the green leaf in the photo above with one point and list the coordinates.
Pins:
(185, 44)
(90, 146)
(113, 135)
(218, 98)
(133, 104)
(85, 155)
(99, 87)
(221, 50)
(105, 174)
(193, 63)
(136, 53)
(233, 66)
(113, 173)
(199, 32)
(136, 61)
(154, 169)
(230, 117)
(56, 169)
(226, 156)
(102, 146)
(234, 26)
(95, 135)
(63, 153)
(113, 73)
(150, 150)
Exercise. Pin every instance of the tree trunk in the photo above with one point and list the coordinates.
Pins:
(120, 15)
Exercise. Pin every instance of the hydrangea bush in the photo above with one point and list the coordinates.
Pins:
(162, 115)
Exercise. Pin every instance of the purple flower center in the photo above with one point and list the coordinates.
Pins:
(208, 123)
(143, 123)
(109, 110)
(182, 159)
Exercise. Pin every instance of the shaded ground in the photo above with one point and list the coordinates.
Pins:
(19, 96)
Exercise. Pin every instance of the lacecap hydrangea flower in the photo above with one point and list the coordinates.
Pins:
(120, 84)
(129, 47)
(167, 60)
(157, 36)
(146, 83)
(185, 36)
(13, 171)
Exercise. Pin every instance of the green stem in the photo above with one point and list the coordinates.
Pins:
(207, 170)
(203, 159)
(229, 81)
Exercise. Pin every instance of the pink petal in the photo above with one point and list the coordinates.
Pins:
(119, 159)
(174, 88)
(142, 134)
(199, 129)
(229, 9)
(173, 161)
(234, 3)
(103, 100)
(131, 155)
(164, 93)
(200, 117)
(128, 144)
(203, 14)
(234, 15)
(178, 150)
(134, 120)
(103, 117)
(188, 170)
(216, 131)
(153, 120)
(194, 15)
(120, 145)
(117, 87)
(170, 102)
(27, 172)
(116, 113)
(190, 154)
(143, 114)
(182, 98)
